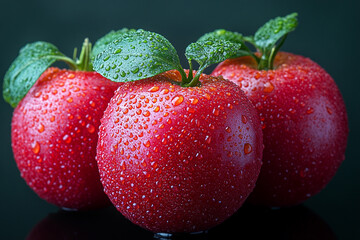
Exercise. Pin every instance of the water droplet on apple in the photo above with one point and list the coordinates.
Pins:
(35, 147)
(177, 100)
(147, 143)
(268, 87)
(37, 94)
(92, 103)
(194, 100)
(154, 89)
(309, 110)
(146, 113)
(216, 111)
(67, 138)
(90, 128)
(247, 148)
(41, 128)
(244, 119)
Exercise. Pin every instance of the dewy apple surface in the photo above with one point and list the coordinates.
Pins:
(177, 151)
(303, 114)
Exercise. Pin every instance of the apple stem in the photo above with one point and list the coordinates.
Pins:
(83, 63)
(266, 61)
(194, 81)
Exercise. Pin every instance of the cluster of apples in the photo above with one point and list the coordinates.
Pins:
(176, 150)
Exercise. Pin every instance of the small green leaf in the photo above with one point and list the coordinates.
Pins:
(101, 43)
(136, 55)
(213, 51)
(224, 35)
(233, 37)
(32, 61)
(266, 36)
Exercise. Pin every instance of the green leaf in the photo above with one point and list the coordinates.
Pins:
(101, 43)
(266, 36)
(32, 61)
(224, 35)
(213, 51)
(233, 37)
(136, 55)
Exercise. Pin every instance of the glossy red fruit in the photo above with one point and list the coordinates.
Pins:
(54, 137)
(304, 125)
(179, 159)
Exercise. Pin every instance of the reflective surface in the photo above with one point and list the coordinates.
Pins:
(249, 223)
(28, 217)
(102, 224)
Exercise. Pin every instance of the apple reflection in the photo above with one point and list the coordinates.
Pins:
(295, 223)
(106, 223)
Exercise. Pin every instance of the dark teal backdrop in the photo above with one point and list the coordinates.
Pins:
(328, 33)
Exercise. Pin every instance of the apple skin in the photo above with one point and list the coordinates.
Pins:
(304, 123)
(175, 159)
(54, 137)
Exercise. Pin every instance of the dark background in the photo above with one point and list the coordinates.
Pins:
(328, 33)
